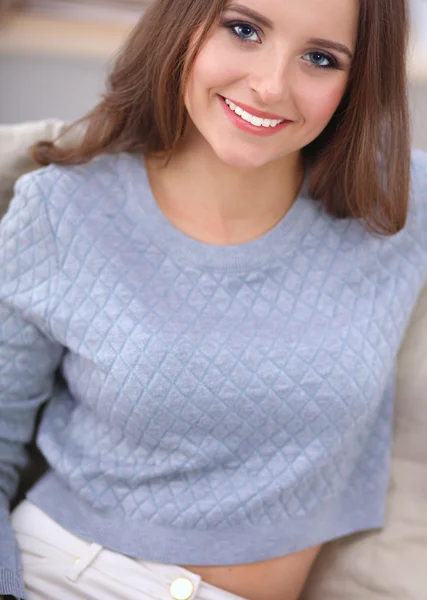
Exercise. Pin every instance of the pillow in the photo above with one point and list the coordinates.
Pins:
(15, 159)
(390, 563)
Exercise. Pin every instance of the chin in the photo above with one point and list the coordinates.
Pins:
(242, 159)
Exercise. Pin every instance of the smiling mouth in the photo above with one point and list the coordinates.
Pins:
(252, 119)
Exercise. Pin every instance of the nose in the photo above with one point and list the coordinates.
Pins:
(271, 79)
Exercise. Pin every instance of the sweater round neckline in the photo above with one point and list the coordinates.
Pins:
(281, 239)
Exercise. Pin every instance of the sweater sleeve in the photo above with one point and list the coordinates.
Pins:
(419, 193)
(28, 354)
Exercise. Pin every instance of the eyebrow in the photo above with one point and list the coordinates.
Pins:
(250, 14)
(329, 45)
(255, 16)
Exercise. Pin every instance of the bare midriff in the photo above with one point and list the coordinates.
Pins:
(276, 579)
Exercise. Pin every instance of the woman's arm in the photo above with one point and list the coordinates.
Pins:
(29, 355)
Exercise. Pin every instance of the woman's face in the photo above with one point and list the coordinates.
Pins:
(268, 61)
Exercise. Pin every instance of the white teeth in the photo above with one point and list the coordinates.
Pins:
(257, 121)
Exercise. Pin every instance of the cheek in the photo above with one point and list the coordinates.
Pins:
(206, 69)
(318, 104)
(214, 69)
(203, 72)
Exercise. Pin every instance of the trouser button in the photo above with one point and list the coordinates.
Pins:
(181, 589)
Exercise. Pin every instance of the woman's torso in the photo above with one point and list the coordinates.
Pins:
(231, 405)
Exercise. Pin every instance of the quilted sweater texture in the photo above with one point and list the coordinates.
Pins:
(204, 404)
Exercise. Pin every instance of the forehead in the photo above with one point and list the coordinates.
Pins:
(333, 19)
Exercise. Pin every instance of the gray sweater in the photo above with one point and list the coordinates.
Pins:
(206, 405)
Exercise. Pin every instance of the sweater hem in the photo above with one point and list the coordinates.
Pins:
(11, 584)
(342, 516)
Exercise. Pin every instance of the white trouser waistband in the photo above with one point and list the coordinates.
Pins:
(38, 534)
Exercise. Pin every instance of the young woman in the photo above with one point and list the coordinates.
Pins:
(210, 291)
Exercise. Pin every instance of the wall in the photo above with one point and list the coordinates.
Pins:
(419, 114)
(38, 87)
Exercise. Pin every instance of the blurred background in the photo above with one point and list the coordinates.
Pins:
(55, 56)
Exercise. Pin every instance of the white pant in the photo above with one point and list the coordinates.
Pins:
(58, 565)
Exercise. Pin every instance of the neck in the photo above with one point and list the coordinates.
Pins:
(219, 204)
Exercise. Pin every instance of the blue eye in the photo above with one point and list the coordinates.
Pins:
(320, 60)
(244, 32)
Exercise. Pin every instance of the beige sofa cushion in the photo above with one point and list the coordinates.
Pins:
(392, 563)
(382, 565)
(15, 159)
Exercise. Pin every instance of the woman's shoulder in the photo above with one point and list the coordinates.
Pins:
(419, 172)
(57, 180)
(416, 225)
(72, 194)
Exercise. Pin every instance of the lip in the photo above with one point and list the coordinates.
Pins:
(256, 113)
(248, 127)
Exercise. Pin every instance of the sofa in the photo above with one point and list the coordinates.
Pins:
(386, 564)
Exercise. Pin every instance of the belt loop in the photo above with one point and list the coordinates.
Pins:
(81, 563)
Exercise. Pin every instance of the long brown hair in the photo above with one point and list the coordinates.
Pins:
(359, 165)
